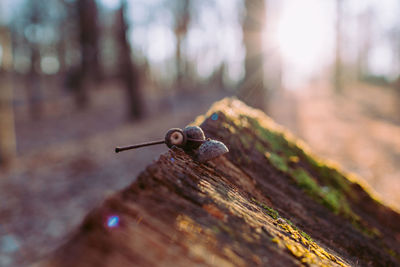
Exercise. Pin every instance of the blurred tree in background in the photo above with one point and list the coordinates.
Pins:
(252, 90)
(130, 74)
(152, 51)
(182, 21)
(7, 134)
(89, 70)
(77, 75)
(365, 39)
(338, 79)
(35, 18)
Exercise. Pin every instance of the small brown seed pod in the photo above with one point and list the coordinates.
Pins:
(175, 137)
(194, 137)
(192, 140)
(210, 149)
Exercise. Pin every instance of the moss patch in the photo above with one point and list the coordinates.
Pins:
(277, 161)
(329, 196)
(321, 181)
(297, 242)
(269, 211)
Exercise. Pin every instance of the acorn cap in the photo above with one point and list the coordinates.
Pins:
(194, 133)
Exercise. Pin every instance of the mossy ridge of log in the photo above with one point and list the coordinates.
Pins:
(267, 202)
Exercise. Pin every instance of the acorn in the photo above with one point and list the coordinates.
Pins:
(175, 137)
(210, 149)
(188, 139)
(191, 139)
(195, 137)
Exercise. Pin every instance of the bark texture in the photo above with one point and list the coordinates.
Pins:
(267, 202)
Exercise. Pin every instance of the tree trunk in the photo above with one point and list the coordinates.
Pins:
(90, 67)
(182, 19)
(365, 34)
(178, 61)
(7, 131)
(265, 203)
(338, 79)
(33, 84)
(252, 90)
(129, 72)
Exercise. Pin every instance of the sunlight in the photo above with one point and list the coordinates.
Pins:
(50, 64)
(304, 38)
(111, 4)
(161, 43)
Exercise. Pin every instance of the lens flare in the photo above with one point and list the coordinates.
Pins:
(113, 221)
(214, 116)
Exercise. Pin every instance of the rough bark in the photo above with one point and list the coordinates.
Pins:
(267, 202)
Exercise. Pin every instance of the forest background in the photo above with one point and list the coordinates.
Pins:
(78, 77)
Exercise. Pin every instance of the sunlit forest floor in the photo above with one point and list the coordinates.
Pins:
(67, 164)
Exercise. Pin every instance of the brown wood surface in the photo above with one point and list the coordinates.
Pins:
(247, 208)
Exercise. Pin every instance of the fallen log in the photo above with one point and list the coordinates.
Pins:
(268, 201)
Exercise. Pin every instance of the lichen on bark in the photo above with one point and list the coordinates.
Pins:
(269, 201)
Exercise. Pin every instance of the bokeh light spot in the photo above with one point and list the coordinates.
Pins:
(113, 221)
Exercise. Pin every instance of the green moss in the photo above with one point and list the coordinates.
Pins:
(329, 175)
(250, 129)
(305, 182)
(332, 200)
(275, 215)
(328, 194)
(292, 152)
(260, 147)
(329, 197)
(275, 140)
(306, 236)
(269, 211)
(302, 233)
(334, 185)
(278, 161)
